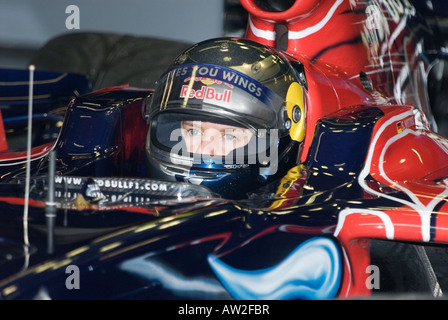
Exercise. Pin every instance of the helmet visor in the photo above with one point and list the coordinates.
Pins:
(220, 91)
(202, 138)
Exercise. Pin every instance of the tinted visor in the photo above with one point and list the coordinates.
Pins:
(210, 139)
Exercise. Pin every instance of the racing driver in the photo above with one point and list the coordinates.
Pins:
(228, 114)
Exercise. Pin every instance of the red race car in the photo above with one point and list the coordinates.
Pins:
(301, 161)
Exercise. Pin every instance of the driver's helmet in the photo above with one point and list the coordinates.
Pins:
(228, 114)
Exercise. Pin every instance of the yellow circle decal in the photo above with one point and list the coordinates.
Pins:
(295, 97)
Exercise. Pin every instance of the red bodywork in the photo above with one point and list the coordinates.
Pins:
(339, 42)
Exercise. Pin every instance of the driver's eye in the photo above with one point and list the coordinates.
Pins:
(194, 132)
(229, 137)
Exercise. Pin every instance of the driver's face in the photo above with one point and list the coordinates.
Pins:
(211, 138)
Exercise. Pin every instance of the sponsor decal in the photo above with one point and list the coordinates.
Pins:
(112, 184)
(405, 124)
(81, 192)
(87, 192)
(209, 74)
(205, 93)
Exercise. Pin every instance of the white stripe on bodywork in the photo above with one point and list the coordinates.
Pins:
(260, 33)
(313, 29)
(424, 211)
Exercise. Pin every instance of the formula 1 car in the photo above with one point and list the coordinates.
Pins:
(363, 213)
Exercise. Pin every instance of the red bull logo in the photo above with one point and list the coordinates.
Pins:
(205, 93)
